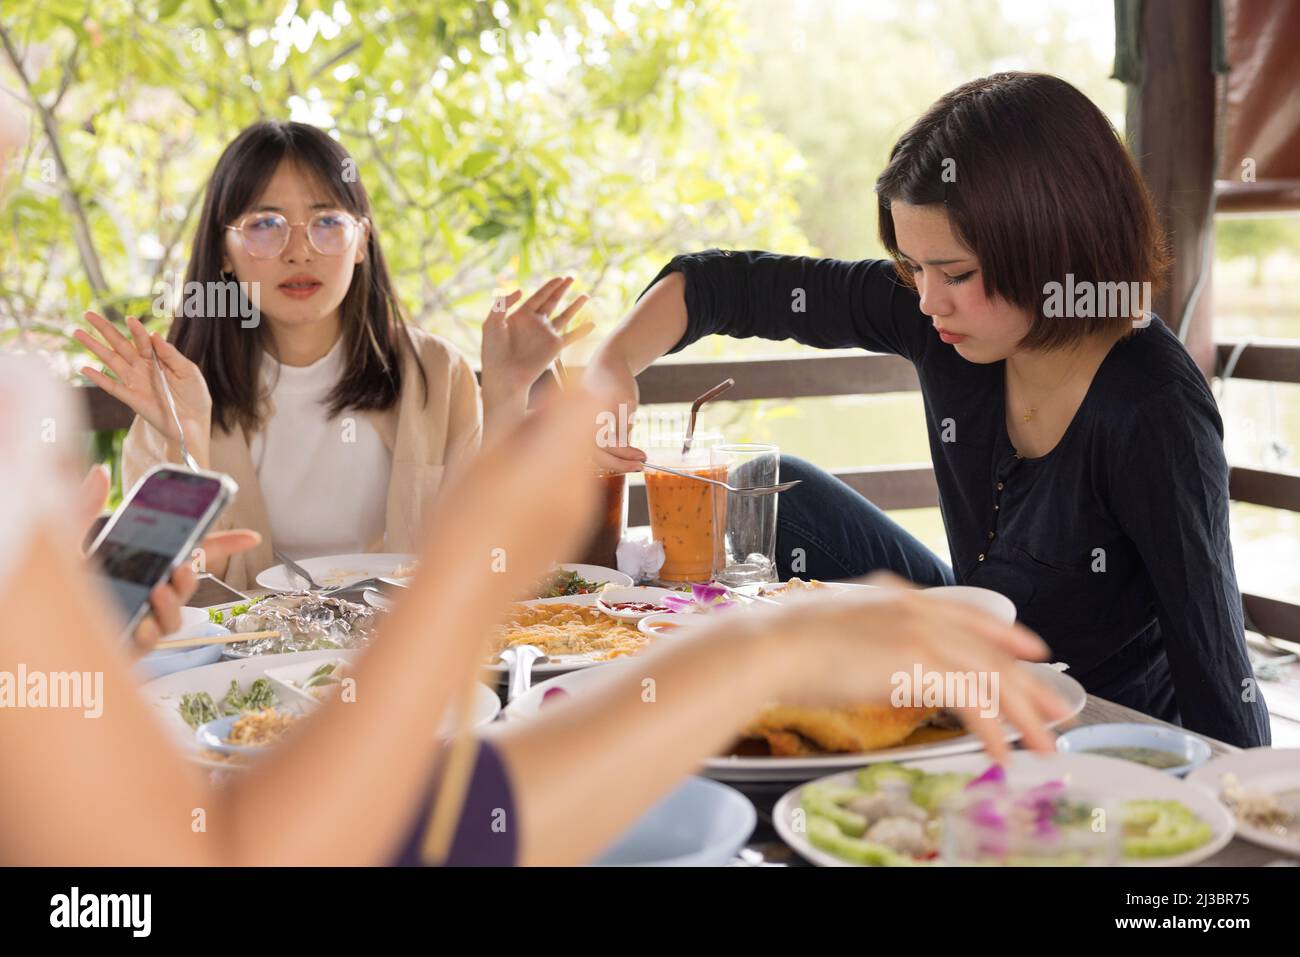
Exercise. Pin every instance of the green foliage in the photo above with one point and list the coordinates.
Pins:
(844, 80)
(1254, 238)
(500, 142)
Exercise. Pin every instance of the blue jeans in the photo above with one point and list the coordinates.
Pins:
(826, 530)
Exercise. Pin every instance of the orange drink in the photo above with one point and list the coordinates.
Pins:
(682, 517)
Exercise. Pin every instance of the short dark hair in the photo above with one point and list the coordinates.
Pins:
(1038, 184)
(374, 330)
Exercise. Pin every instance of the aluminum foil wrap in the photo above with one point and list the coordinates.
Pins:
(306, 622)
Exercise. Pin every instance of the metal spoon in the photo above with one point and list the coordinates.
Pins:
(520, 660)
(753, 490)
(171, 404)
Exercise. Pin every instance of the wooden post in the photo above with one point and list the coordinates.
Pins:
(1170, 127)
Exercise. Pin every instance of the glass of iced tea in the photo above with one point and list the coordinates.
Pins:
(682, 511)
(603, 546)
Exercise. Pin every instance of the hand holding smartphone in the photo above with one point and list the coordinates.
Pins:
(155, 530)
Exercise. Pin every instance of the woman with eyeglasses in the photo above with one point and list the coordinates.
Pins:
(294, 371)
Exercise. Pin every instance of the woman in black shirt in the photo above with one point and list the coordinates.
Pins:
(1077, 448)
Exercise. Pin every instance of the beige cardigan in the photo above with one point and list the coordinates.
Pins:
(424, 441)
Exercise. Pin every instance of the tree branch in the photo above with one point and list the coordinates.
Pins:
(90, 261)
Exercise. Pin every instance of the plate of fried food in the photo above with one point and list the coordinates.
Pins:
(799, 743)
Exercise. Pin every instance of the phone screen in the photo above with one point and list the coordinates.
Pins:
(150, 533)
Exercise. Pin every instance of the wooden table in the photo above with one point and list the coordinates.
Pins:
(765, 848)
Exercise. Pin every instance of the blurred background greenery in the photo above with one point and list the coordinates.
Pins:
(505, 141)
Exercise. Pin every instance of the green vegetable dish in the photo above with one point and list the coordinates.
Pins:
(564, 583)
(199, 708)
(896, 816)
(217, 617)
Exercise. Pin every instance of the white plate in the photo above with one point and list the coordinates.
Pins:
(1271, 770)
(557, 664)
(758, 769)
(643, 593)
(164, 694)
(830, 589)
(593, 573)
(995, 603)
(1111, 777)
(610, 577)
(554, 665)
(332, 570)
(288, 680)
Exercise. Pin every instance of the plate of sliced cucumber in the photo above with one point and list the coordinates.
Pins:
(1057, 809)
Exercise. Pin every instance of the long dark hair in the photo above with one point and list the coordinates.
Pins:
(373, 324)
(1037, 183)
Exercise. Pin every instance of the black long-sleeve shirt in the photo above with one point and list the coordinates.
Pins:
(1114, 546)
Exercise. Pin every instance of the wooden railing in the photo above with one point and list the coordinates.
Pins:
(911, 485)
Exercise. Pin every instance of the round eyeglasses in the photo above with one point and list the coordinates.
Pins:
(265, 235)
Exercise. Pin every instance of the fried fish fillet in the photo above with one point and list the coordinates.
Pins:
(792, 731)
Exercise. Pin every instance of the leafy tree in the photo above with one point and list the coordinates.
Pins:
(1254, 238)
(500, 142)
(843, 80)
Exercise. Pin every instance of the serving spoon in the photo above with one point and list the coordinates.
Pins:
(749, 490)
(520, 660)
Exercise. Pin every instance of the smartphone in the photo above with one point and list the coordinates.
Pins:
(155, 530)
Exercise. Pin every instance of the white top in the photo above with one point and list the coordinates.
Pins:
(324, 479)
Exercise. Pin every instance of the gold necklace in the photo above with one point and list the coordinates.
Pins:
(1065, 379)
(1032, 410)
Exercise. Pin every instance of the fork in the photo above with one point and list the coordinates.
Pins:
(297, 569)
(171, 405)
(372, 583)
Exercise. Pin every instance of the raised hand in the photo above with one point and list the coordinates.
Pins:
(518, 346)
(852, 646)
(134, 380)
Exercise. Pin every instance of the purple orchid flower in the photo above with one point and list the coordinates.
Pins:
(706, 597)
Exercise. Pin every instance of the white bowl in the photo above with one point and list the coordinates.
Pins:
(683, 619)
(701, 824)
(170, 660)
(1192, 749)
(645, 593)
(995, 603)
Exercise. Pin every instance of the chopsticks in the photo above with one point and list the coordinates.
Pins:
(449, 802)
(450, 799)
(212, 640)
(561, 374)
